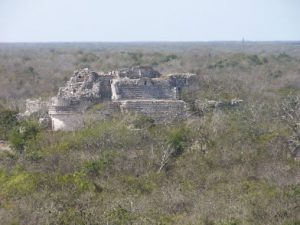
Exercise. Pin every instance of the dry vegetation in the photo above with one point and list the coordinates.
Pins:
(224, 166)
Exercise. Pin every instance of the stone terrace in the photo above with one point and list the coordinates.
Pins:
(135, 90)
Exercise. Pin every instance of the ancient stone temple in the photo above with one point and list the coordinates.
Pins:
(136, 90)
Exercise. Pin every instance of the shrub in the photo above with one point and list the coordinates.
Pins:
(177, 138)
(255, 60)
(8, 120)
(219, 64)
(168, 58)
(229, 222)
(120, 216)
(19, 182)
(76, 182)
(143, 121)
(27, 130)
(139, 185)
(284, 57)
(72, 216)
(97, 167)
(293, 222)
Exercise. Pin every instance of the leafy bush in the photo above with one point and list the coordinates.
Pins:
(74, 216)
(223, 64)
(8, 120)
(229, 222)
(76, 182)
(140, 185)
(143, 121)
(295, 222)
(120, 216)
(256, 60)
(18, 182)
(26, 131)
(178, 138)
(97, 167)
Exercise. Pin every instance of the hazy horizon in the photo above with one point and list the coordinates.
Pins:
(131, 21)
(150, 42)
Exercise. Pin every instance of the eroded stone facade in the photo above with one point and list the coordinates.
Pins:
(33, 106)
(136, 90)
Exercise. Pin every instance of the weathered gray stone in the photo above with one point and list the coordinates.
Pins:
(45, 122)
(36, 106)
(138, 72)
(213, 104)
(140, 90)
(83, 84)
(162, 111)
(143, 88)
(68, 121)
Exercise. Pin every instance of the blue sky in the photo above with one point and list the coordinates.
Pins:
(148, 20)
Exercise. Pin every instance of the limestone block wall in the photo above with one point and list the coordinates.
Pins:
(67, 121)
(181, 79)
(138, 72)
(36, 106)
(144, 88)
(161, 111)
(183, 82)
(70, 104)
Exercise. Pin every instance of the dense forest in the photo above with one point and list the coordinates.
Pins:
(222, 166)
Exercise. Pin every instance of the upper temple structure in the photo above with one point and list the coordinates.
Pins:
(136, 90)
